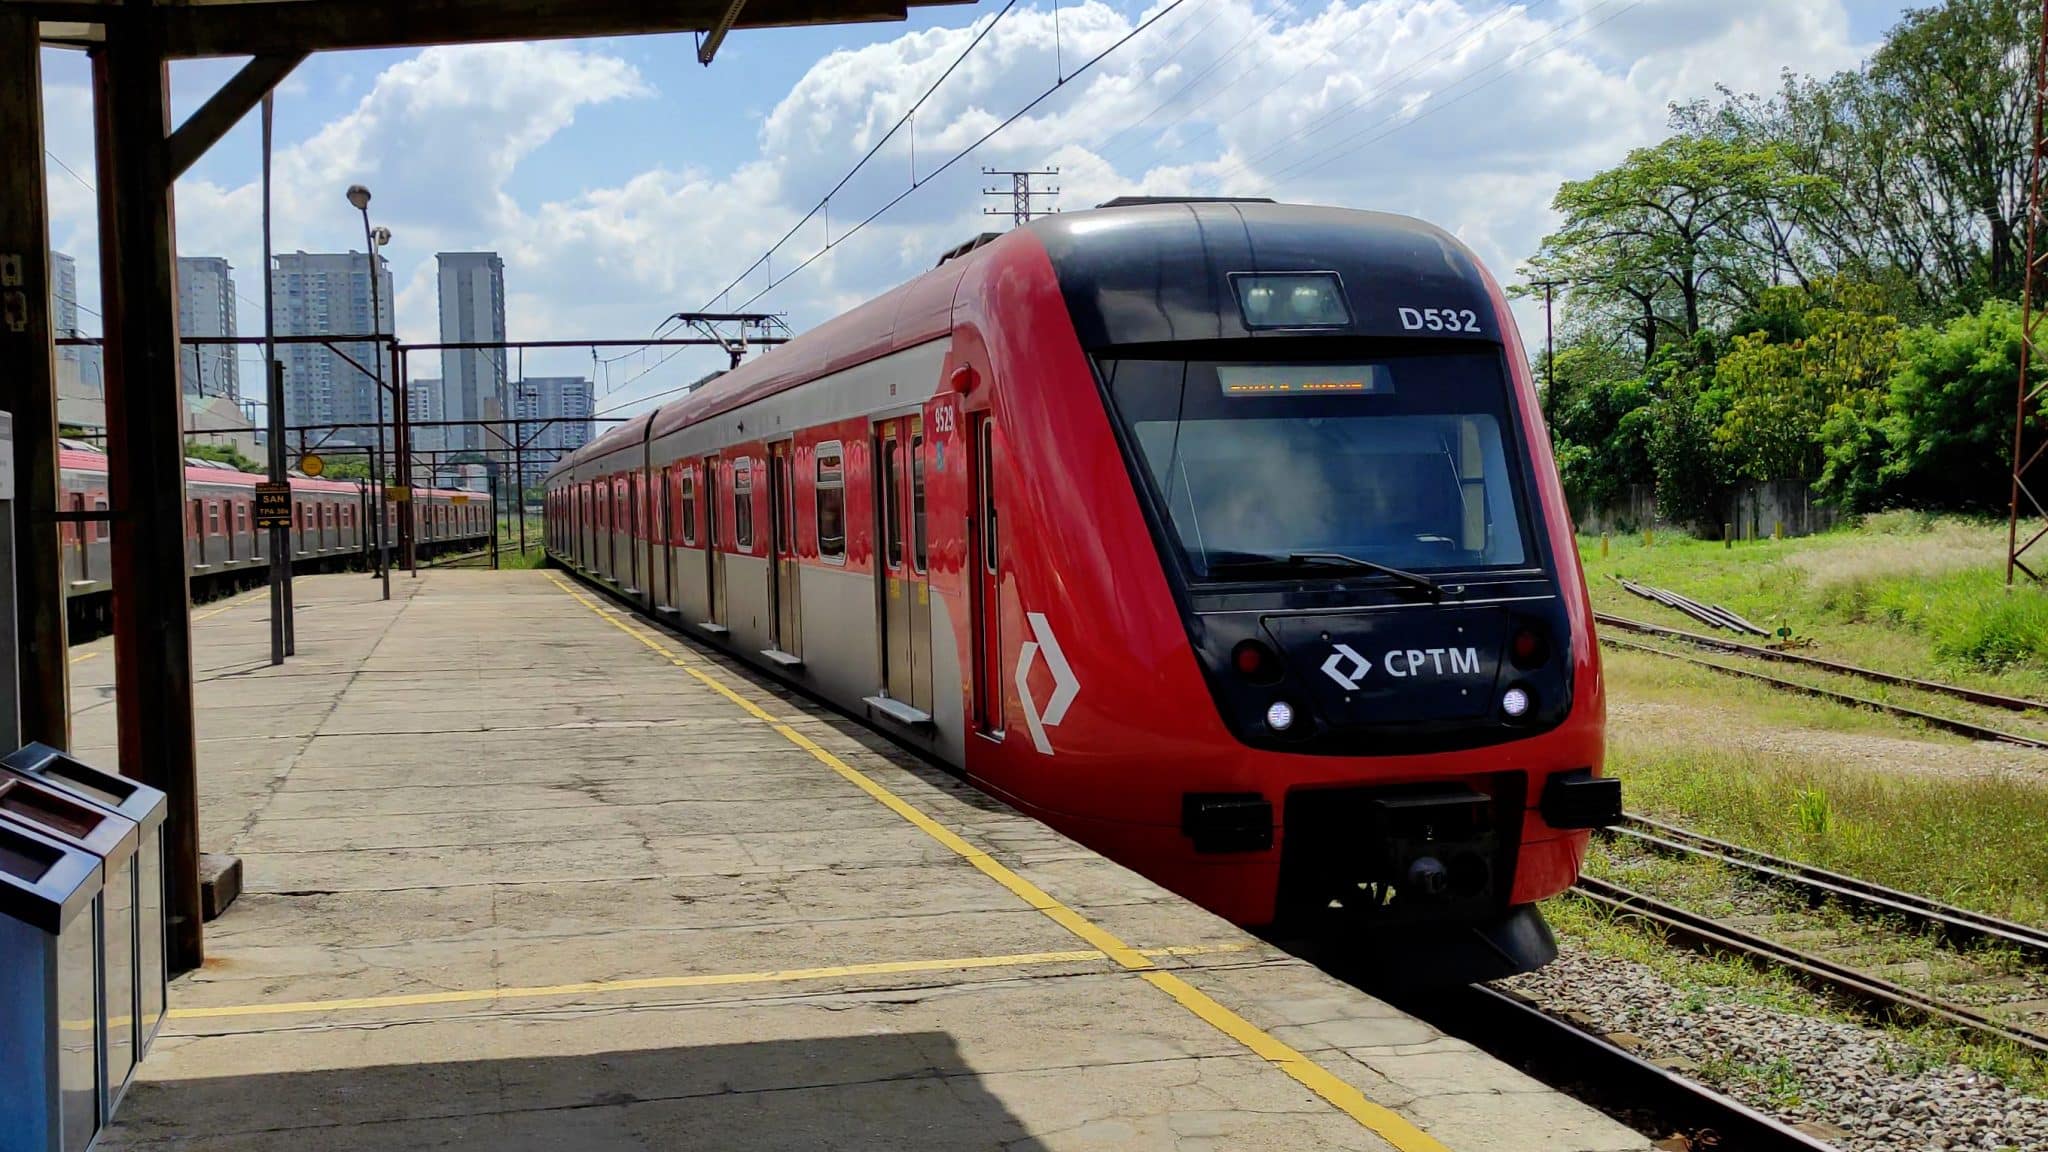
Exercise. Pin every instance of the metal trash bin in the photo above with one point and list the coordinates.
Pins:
(146, 807)
(113, 838)
(51, 1014)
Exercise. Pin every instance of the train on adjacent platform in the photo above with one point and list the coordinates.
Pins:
(330, 527)
(1221, 535)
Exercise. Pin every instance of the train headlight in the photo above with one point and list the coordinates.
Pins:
(1280, 716)
(1514, 702)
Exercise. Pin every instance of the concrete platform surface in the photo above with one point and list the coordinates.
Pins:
(526, 872)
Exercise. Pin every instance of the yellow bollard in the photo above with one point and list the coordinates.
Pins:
(1603, 545)
(1778, 530)
(1647, 541)
(1727, 535)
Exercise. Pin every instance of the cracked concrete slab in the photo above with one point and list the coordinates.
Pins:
(517, 882)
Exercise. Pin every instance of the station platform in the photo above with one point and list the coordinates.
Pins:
(524, 871)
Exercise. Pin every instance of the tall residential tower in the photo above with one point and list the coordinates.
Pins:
(473, 381)
(206, 307)
(328, 294)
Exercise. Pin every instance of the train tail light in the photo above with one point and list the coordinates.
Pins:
(1527, 648)
(1256, 662)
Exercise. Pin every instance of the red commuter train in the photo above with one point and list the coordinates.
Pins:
(1222, 535)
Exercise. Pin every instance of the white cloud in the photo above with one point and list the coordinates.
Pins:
(1464, 112)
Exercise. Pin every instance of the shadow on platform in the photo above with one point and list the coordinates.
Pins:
(910, 1092)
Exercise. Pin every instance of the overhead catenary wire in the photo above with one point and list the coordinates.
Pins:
(902, 120)
(905, 194)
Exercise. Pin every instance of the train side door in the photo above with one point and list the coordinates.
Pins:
(905, 596)
(785, 635)
(636, 522)
(714, 559)
(670, 595)
(983, 572)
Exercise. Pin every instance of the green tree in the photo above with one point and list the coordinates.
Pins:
(1808, 354)
(1678, 236)
(1685, 463)
(221, 454)
(345, 466)
(1599, 424)
(1948, 424)
(1957, 76)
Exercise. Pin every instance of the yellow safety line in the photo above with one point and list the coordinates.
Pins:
(656, 983)
(82, 657)
(1381, 1120)
(237, 602)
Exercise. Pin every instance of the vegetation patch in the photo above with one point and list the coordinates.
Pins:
(1980, 842)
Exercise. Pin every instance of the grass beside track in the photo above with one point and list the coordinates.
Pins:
(1903, 592)
(1977, 841)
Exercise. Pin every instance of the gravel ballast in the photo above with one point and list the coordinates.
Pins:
(1865, 1091)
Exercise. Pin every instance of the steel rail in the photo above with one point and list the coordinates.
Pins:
(1956, 925)
(1960, 692)
(1561, 1054)
(1932, 720)
(1705, 934)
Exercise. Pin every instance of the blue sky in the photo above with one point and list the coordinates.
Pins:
(622, 181)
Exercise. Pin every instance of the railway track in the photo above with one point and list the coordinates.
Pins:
(1874, 993)
(1968, 728)
(1757, 651)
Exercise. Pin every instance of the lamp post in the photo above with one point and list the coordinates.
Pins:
(359, 196)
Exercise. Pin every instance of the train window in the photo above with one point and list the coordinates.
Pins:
(785, 526)
(1403, 460)
(241, 517)
(831, 465)
(892, 504)
(686, 504)
(917, 549)
(987, 451)
(213, 517)
(327, 515)
(100, 528)
(743, 503)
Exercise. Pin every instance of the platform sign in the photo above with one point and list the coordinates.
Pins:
(312, 465)
(397, 493)
(273, 505)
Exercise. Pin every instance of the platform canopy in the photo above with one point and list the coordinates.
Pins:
(196, 28)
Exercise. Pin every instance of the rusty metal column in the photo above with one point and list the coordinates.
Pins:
(146, 453)
(408, 525)
(28, 386)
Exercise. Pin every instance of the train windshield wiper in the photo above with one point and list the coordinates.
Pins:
(1239, 561)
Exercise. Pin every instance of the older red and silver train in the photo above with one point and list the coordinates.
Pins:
(223, 550)
(1223, 536)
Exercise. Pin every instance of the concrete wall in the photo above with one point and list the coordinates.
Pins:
(1753, 511)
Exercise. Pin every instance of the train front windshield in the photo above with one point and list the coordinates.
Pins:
(1407, 461)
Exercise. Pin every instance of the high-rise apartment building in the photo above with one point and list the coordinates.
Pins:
(64, 294)
(328, 294)
(81, 386)
(472, 291)
(424, 402)
(568, 401)
(206, 307)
